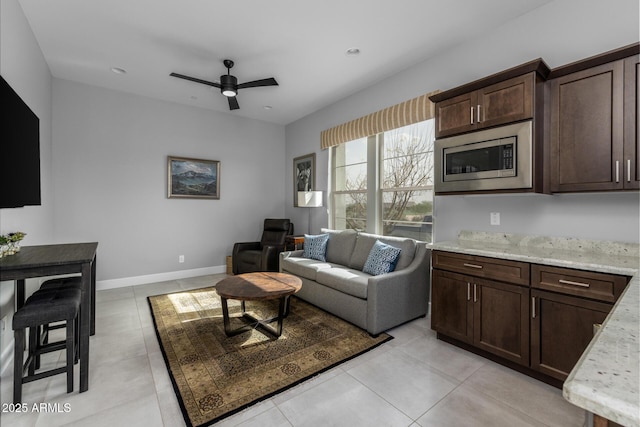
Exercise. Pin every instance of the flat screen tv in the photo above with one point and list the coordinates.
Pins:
(19, 151)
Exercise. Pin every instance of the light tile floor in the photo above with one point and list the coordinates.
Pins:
(413, 380)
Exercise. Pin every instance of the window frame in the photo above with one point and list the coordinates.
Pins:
(375, 191)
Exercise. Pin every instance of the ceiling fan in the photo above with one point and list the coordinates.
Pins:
(229, 84)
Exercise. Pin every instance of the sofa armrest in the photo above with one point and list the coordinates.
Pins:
(286, 254)
(399, 296)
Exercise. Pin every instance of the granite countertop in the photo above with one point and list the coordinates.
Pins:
(606, 379)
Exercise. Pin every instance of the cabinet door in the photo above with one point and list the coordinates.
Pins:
(456, 115)
(586, 126)
(506, 102)
(451, 310)
(501, 320)
(632, 122)
(561, 329)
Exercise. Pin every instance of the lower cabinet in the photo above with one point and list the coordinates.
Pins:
(561, 328)
(490, 315)
(540, 317)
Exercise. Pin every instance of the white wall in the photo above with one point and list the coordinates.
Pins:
(560, 32)
(110, 177)
(23, 66)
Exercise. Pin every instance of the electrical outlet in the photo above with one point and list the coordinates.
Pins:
(495, 218)
(180, 258)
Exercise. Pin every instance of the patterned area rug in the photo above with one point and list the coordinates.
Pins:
(215, 376)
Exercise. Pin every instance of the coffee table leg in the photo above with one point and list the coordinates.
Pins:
(283, 310)
(225, 316)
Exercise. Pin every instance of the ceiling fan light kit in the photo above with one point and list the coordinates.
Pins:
(229, 84)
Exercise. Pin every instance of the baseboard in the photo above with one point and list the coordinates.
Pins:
(159, 277)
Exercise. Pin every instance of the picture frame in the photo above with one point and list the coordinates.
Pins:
(193, 178)
(304, 175)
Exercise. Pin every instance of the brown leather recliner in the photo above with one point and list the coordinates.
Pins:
(263, 255)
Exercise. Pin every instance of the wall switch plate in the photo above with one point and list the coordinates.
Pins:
(180, 258)
(495, 218)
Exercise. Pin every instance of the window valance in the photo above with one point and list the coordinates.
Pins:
(412, 111)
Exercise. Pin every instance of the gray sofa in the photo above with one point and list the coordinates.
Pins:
(374, 303)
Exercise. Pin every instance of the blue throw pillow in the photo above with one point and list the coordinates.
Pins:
(382, 259)
(315, 247)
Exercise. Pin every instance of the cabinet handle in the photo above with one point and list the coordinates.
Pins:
(533, 307)
(472, 265)
(628, 170)
(569, 282)
(475, 296)
(478, 112)
(468, 291)
(617, 171)
(472, 112)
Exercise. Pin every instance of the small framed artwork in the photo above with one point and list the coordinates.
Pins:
(304, 175)
(193, 178)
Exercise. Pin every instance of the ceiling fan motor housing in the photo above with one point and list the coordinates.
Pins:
(229, 85)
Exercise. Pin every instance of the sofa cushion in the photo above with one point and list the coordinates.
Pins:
(365, 242)
(382, 259)
(347, 280)
(340, 245)
(315, 247)
(303, 267)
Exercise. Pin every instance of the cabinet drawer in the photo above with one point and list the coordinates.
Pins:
(587, 284)
(489, 268)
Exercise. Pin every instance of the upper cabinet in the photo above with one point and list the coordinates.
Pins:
(632, 121)
(497, 104)
(593, 123)
(585, 125)
(502, 98)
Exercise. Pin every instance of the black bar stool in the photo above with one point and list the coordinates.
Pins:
(44, 307)
(72, 282)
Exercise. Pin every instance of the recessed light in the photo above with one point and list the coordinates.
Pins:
(267, 107)
(118, 70)
(354, 51)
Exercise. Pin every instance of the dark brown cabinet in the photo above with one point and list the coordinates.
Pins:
(593, 124)
(540, 317)
(486, 313)
(566, 304)
(561, 329)
(506, 97)
(501, 103)
(632, 122)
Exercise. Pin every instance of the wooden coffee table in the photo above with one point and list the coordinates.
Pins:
(260, 286)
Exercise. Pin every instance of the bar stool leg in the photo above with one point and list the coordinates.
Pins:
(71, 352)
(18, 361)
(33, 344)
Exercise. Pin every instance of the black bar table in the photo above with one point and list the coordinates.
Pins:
(52, 260)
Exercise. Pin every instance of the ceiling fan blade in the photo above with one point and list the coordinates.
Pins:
(233, 103)
(256, 83)
(194, 79)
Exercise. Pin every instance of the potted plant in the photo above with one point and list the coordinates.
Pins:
(4, 245)
(10, 243)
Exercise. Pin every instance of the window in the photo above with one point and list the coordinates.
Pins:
(384, 184)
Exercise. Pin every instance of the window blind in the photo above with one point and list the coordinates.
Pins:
(406, 113)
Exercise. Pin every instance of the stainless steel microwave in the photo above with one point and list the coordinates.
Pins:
(492, 159)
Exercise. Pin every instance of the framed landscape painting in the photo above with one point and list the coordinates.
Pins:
(304, 178)
(193, 178)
